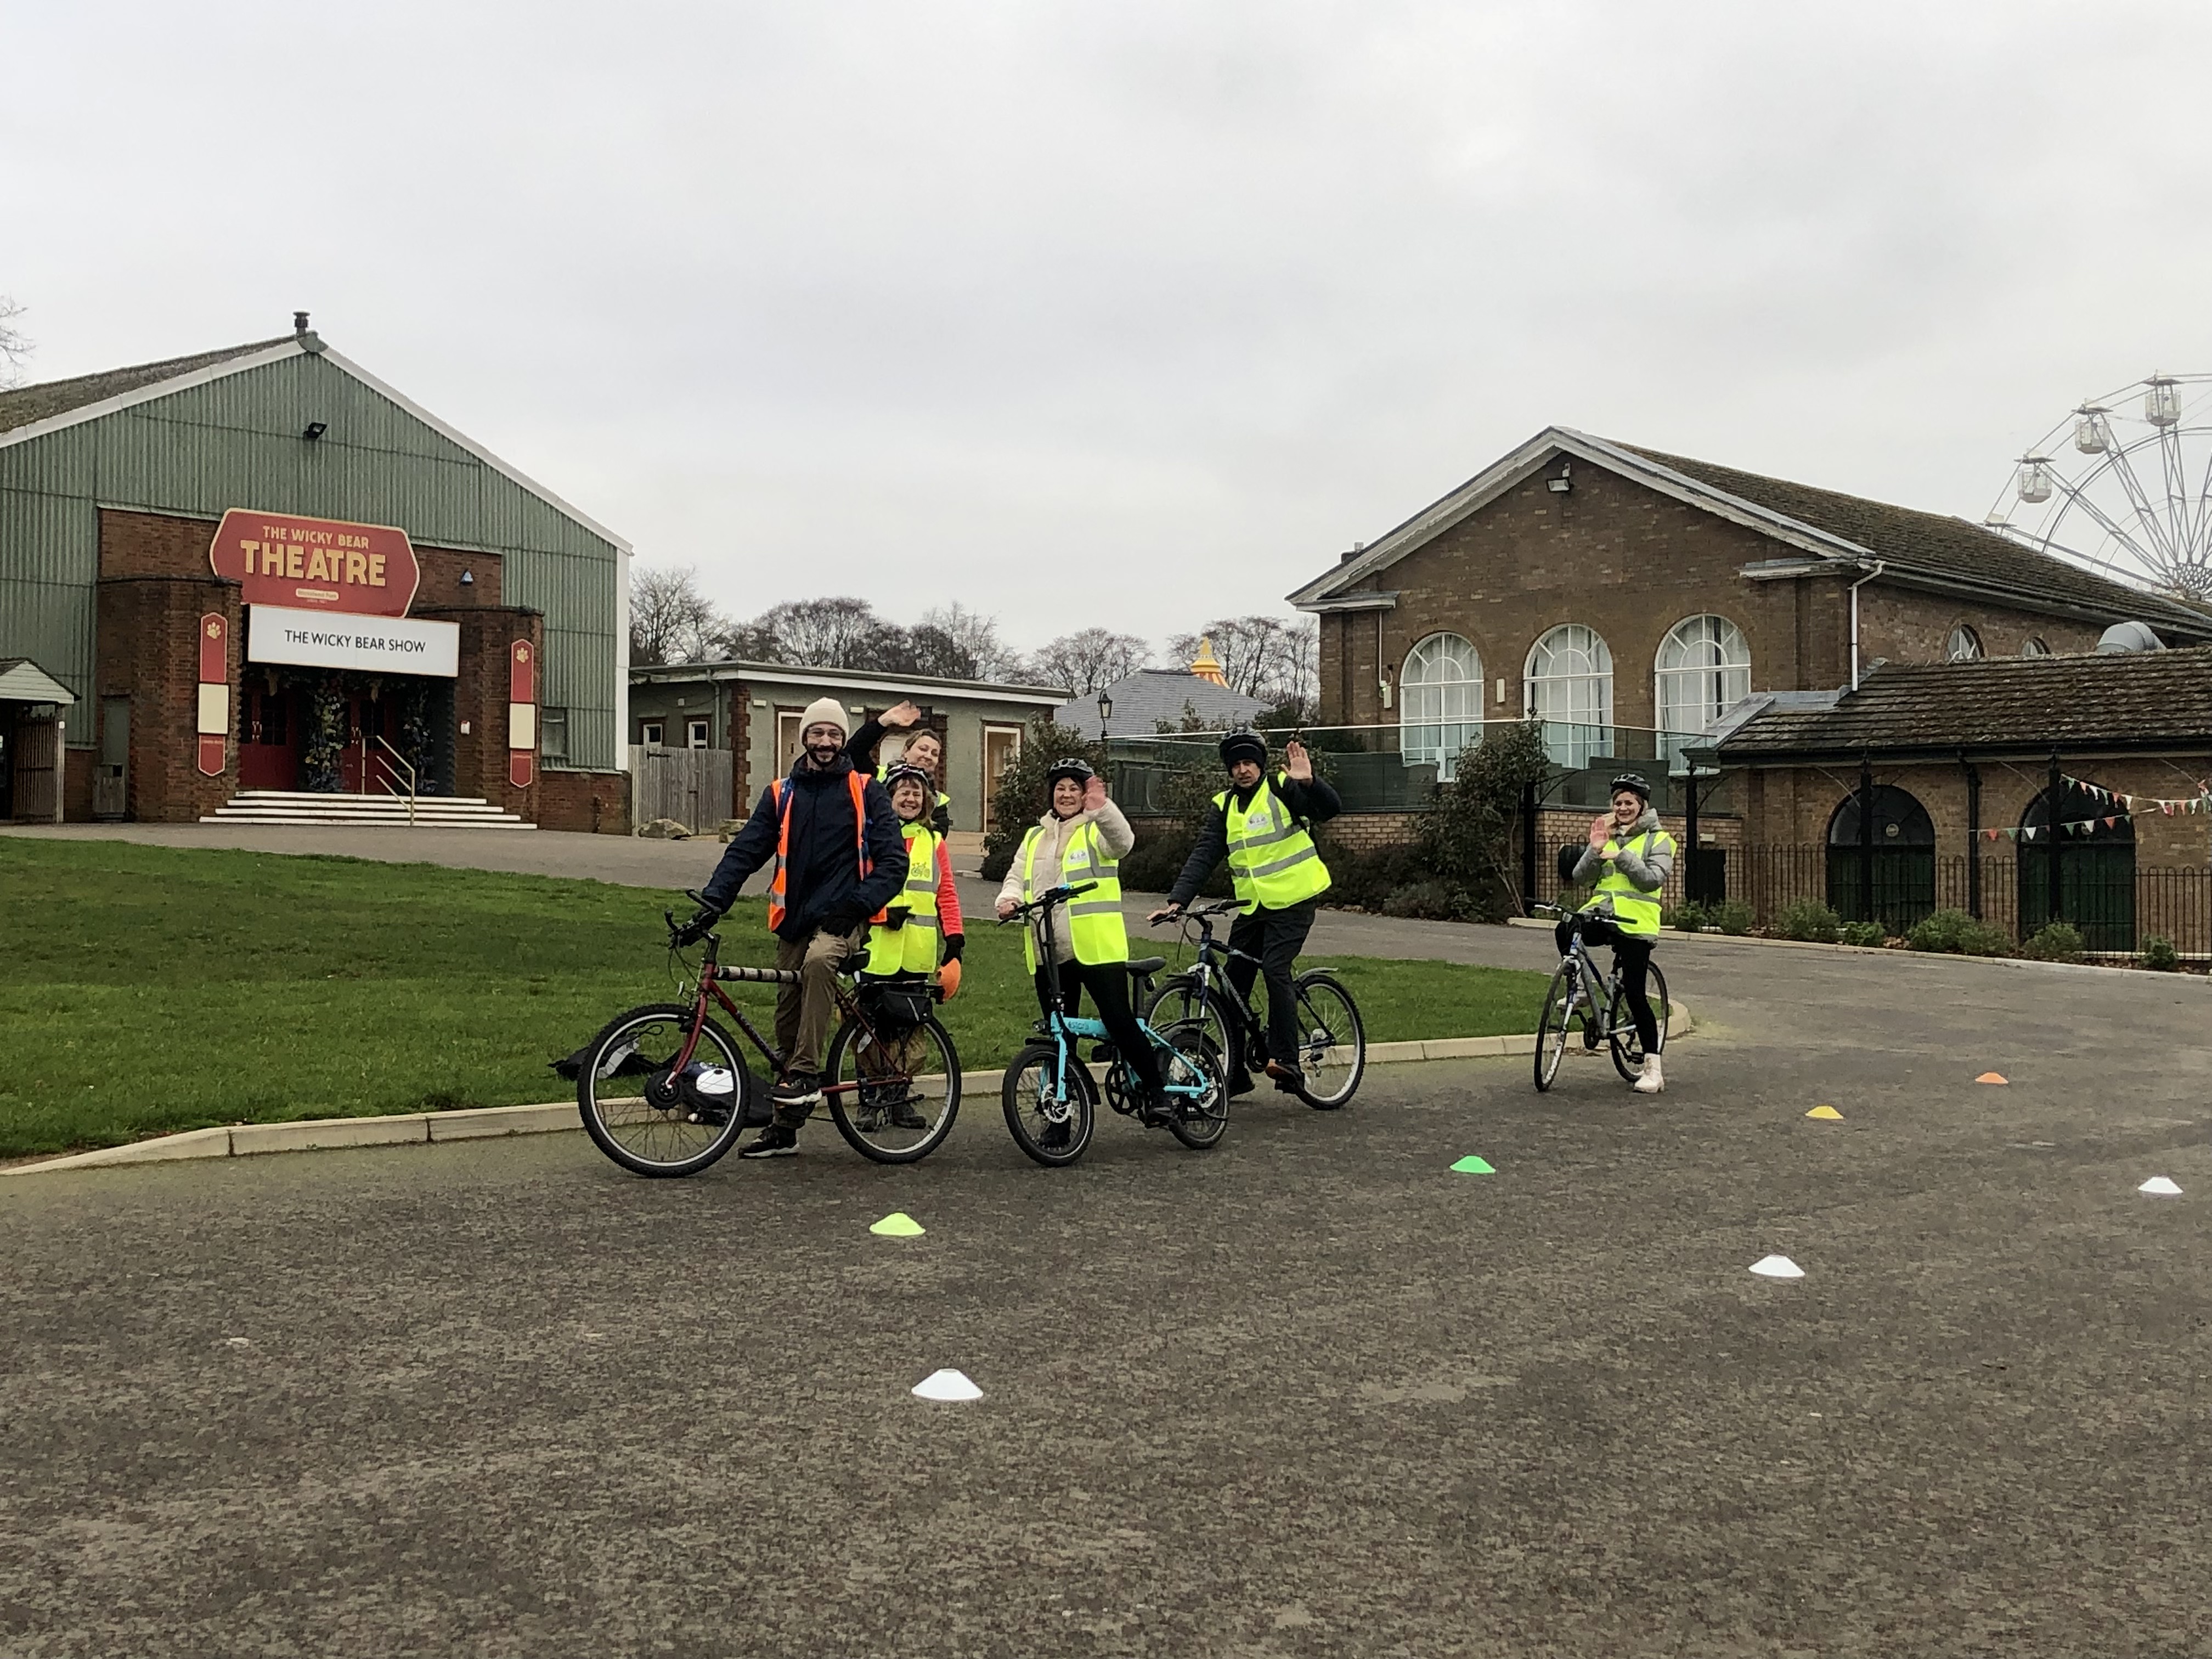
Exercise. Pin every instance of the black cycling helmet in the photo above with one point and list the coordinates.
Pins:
(892, 778)
(1243, 745)
(1633, 782)
(1073, 767)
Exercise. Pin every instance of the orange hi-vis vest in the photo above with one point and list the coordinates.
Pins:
(781, 793)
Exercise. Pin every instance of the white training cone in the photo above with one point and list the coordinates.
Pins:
(1777, 1266)
(2160, 1187)
(946, 1385)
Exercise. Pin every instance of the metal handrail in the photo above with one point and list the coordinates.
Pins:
(396, 760)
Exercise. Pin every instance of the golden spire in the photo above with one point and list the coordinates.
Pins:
(1204, 666)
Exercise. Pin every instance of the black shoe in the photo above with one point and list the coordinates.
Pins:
(775, 1141)
(1240, 1084)
(1154, 1109)
(799, 1088)
(1055, 1137)
(903, 1116)
(1289, 1079)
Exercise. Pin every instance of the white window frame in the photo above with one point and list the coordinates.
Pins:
(552, 734)
(653, 734)
(1964, 636)
(698, 733)
(1578, 702)
(1439, 703)
(1710, 671)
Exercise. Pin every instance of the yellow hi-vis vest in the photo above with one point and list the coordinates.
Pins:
(911, 949)
(1095, 926)
(1272, 860)
(1634, 911)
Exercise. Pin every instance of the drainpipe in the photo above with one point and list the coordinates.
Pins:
(1861, 582)
(1973, 835)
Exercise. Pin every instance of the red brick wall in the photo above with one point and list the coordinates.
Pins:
(480, 754)
(593, 803)
(148, 651)
(1905, 625)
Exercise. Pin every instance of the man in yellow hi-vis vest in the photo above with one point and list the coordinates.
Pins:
(1263, 827)
(1631, 857)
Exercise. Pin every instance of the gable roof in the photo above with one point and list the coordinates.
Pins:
(2151, 700)
(22, 680)
(1149, 696)
(1831, 528)
(33, 411)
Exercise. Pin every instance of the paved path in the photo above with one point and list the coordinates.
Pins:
(1309, 1395)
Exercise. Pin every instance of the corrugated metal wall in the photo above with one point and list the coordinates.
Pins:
(236, 443)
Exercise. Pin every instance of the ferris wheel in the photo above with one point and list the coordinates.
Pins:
(2124, 486)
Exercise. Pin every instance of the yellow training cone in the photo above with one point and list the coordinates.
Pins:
(1992, 1077)
(898, 1224)
(1825, 1114)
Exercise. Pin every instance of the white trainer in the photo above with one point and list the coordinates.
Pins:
(1650, 1081)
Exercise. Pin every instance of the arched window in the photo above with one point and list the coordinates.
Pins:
(1888, 876)
(1964, 646)
(2095, 878)
(1704, 666)
(1439, 703)
(1569, 688)
(2035, 645)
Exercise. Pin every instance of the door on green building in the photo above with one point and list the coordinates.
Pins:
(2094, 850)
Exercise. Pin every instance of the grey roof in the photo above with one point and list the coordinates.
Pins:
(28, 405)
(748, 668)
(1149, 696)
(22, 680)
(2151, 700)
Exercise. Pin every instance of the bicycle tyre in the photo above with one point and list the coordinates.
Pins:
(1197, 1120)
(888, 1150)
(698, 1145)
(1025, 1075)
(1552, 1029)
(1311, 1019)
(1627, 1045)
(1180, 1001)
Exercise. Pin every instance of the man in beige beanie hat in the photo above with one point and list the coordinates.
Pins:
(840, 857)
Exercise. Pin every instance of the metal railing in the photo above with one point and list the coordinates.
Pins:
(394, 764)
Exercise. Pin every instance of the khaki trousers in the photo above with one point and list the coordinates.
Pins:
(803, 1010)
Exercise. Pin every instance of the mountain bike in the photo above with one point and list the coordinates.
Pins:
(1331, 1041)
(1049, 1096)
(663, 1091)
(1582, 1002)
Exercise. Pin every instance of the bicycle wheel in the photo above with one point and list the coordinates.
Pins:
(1197, 1120)
(1049, 1112)
(1627, 1045)
(1182, 1002)
(637, 1110)
(893, 1098)
(1331, 1041)
(1552, 1029)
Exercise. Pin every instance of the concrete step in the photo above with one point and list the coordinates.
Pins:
(299, 806)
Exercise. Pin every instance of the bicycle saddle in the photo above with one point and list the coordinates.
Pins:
(1146, 965)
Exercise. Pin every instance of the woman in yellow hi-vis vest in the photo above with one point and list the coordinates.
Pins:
(1263, 827)
(1631, 857)
(911, 935)
(1081, 839)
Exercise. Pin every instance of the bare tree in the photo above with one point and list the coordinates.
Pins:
(1083, 662)
(1274, 659)
(15, 345)
(671, 620)
(989, 657)
(832, 632)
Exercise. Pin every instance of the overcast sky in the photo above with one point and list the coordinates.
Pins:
(1127, 312)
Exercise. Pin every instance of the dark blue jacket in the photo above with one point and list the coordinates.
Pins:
(821, 883)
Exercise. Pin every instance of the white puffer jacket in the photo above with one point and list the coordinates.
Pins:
(1114, 834)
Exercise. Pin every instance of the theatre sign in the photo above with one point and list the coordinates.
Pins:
(324, 594)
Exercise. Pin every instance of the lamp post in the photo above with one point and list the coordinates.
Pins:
(1105, 713)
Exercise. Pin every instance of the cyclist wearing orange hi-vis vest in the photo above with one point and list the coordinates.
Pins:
(1263, 826)
(1630, 857)
(840, 858)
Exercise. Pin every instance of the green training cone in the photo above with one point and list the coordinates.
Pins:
(1473, 1165)
(898, 1224)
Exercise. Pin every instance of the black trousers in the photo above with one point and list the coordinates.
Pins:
(1108, 985)
(1275, 937)
(1633, 952)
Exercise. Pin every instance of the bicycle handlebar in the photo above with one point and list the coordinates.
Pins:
(1046, 901)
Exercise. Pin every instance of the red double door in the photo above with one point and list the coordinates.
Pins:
(272, 733)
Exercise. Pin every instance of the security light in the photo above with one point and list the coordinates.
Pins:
(315, 429)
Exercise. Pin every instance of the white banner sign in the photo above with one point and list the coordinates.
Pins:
(378, 645)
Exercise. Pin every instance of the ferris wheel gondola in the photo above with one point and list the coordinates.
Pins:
(2133, 500)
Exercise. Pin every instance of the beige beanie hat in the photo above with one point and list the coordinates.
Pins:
(823, 711)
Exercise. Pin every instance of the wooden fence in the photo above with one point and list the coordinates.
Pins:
(691, 785)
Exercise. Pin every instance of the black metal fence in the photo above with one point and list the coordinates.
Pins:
(2116, 903)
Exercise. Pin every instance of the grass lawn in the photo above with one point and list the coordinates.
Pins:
(146, 989)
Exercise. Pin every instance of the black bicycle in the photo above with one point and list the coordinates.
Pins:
(1050, 1095)
(1581, 1003)
(1331, 1041)
(663, 1091)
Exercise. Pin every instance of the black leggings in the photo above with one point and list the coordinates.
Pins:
(1633, 951)
(1108, 985)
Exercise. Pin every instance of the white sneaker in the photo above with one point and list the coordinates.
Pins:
(1651, 1082)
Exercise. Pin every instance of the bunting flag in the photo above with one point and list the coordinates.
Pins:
(2131, 806)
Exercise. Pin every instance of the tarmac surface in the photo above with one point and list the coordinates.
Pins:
(1309, 1394)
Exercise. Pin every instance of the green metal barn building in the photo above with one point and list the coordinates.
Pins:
(259, 582)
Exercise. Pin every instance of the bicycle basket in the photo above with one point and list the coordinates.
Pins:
(895, 1005)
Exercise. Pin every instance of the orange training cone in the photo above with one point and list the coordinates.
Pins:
(1992, 1077)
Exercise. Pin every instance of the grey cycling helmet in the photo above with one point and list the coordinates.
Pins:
(1633, 782)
